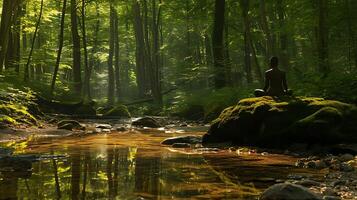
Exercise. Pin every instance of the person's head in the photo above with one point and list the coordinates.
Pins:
(274, 62)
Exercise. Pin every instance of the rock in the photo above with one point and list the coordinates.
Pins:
(271, 122)
(346, 167)
(288, 191)
(307, 183)
(320, 164)
(189, 139)
(181, 145)
(103, 126)
(118, 111)
(70, 125)
(346, 157)
(146, 122)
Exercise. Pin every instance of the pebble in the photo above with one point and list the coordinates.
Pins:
(346, 157)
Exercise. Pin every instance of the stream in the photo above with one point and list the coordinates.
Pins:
(134, 165)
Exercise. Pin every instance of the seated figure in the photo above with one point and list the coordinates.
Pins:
(275, 81)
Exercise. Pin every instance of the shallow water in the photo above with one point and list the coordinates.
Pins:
(135, 166)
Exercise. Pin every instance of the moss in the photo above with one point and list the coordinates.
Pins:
(118, 111)
(19, 112)
(7, 120)
(278, 121)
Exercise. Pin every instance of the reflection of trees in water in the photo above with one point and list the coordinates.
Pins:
(147, 174)
(75, 174)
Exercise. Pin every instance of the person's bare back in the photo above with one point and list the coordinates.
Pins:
(275, 81)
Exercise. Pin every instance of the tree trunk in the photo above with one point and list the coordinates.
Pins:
(116, 56)
(351, 33)
(76, 51)
(60, 46)
(155, 78)
(140, 49)
(283, 37)
(86, 89)
(228, 62)
(111, 78)
(322, 38)
(26, 76)
(218, 46)
(8, 9)
(247, 44)
(265, 27)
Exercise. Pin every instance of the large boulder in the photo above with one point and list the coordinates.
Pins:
(280, 122)
(288, 191)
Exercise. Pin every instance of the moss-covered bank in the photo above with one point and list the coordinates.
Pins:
(279, 122)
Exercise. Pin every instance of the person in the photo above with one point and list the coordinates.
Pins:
(275, 81)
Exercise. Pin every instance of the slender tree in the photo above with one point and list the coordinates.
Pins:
(87, 72)
(60, 46)
(26, 76)
(76, 52)
(111, 75)
(218, 46)
(322, 38)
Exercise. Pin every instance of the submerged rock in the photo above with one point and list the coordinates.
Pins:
(147, 122)
(70, 125)
(189, 139)
(181, 145)
(103, 126)
(288, 191)
(281, 122)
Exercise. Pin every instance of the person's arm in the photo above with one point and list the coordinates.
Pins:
(266, 85)
(285, 84)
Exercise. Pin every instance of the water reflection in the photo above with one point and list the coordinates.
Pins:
(98, 170)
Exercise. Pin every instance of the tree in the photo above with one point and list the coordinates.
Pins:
(217, 44)
(76, 51)
(87, 71)
(111, 75)
(60, 45)
(26, 76)
(322, 38)
(9, 9)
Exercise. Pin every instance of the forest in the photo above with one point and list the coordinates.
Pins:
(133, 72)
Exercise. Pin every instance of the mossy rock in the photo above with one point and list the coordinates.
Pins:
(118, 111)
(4, 119)
(147, 122)
(280, 122)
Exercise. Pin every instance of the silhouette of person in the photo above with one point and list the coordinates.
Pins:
(275, 81)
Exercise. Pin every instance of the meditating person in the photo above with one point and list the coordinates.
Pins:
(275, 81)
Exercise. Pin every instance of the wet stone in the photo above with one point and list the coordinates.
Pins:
(181, 145)
(346, 157)
(190, 139)
(331, 198)
(104, 126)
(288, 191)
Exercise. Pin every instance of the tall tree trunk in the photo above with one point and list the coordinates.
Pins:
(86, 89)
(265, 27)
(111, 78)
(26, 76)
(351, 33)
(247, 41)
(140, 49)
(76, 51)
(60, 46)
(93, 63)
(283, 37)
(218, 46)
(8, 8)
(125, 83)
(322, 38)
(116, 56)
(228, 62)
(155, 78)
